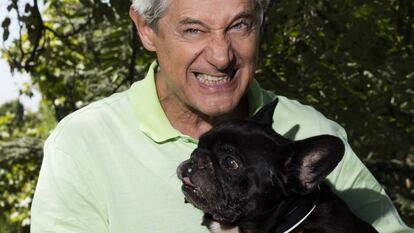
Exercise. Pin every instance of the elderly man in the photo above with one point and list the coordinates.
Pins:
(110, 167)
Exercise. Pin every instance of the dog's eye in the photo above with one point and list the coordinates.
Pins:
(230, 163)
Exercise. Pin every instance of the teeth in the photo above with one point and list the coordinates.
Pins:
(212, 80)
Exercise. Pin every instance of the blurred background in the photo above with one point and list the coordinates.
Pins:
(352, 60)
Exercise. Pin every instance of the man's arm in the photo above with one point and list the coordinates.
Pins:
(63, 201)
(352, 181)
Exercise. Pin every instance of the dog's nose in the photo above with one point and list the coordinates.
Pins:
(184, 169)
(186, 172)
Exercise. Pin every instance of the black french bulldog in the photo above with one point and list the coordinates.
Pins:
(247, 178)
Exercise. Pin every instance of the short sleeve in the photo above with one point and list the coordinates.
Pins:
(350, 180)
(63, 201)
(355, 184)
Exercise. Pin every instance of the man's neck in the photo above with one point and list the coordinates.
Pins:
(192, 123)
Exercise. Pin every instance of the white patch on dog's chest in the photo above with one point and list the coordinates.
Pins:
(216, 227)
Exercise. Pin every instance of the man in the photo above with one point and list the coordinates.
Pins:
(110, 167)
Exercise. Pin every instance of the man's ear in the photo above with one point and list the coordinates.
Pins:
(265, 115)
(145, 32)
(310, 161)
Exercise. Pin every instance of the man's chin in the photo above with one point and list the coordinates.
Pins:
(217, 112)
(233, 108)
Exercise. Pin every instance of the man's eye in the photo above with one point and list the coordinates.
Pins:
(230, 163)
(240, 26)
(192, 31)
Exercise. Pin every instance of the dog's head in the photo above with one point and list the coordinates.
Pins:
(241, 169)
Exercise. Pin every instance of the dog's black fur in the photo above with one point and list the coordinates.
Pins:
(244, 174)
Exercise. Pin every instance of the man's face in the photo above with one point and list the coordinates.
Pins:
(206, 50)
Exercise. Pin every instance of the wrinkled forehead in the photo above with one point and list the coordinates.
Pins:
(211, 12)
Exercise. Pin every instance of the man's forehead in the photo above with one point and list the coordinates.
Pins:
(210, 11)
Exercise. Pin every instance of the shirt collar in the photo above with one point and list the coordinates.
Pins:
(151, 117)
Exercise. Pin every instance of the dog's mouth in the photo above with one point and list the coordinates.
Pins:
(187, 182)
(188, 185)
(197, 186)
(190, 190)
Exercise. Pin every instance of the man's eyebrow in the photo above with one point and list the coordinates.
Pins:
(241, 15)
(244, 15)
(189, 20)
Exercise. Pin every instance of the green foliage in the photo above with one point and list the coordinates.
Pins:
(20, 163)
(21, 142)
(78, 51)
(352, 60)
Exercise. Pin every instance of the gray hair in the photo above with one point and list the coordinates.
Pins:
(153, 10)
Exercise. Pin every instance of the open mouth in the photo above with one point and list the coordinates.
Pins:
(212, 80)
(187, 182)
(188, 185)
(190, 190)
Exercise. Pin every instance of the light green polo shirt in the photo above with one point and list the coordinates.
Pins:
(111, 167)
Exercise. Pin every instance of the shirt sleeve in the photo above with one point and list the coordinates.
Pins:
(63, 201)
(355, 184)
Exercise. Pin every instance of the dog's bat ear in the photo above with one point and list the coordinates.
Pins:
(312, 160)
(265, 114)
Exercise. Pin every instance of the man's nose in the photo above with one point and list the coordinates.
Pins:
(219, 52)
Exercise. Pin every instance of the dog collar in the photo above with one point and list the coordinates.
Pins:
(303, 208)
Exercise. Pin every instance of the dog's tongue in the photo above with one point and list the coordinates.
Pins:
(187, 181)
